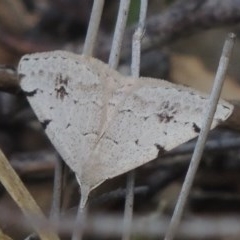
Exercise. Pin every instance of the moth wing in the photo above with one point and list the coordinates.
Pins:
(156, 117)
(68, 94)
(103, 124)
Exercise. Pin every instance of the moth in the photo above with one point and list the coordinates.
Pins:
(104, 124)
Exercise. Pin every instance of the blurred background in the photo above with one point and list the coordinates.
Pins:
(182, 43)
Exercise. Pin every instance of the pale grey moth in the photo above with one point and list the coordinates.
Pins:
(104, 124)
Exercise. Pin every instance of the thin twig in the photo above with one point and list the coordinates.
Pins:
(88, 50)
(135, 69)
(24, 200)
(79, 222)
(57, 191)
(136, 41)
(118, 34)
(93, 27)
(128, 209)
(208, 117)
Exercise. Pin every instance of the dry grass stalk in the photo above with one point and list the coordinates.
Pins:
(24, 200)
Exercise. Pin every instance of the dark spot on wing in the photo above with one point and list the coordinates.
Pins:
(45, 123)
(165, 133)
(60, 80)
(166, 104)
(161, 149)
(169, 110)
(61, 84)
(88, 133)
(164, 117)
(25, 59)
(136, 142)
(68, 125)
(226, 107)
(61, 92)
(30, 93)
(41, 72)
(196, 128)
(21, 76)
(218, 121)
(127, 110)
(198, 110)
(108, 138)
(75, 101)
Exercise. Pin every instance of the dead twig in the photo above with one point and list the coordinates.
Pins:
(24, 200)
(135, 71)
(198, 150)
(93, 27)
